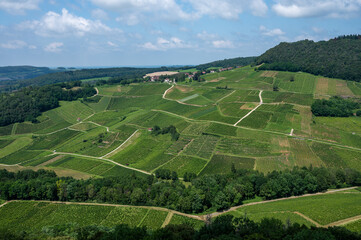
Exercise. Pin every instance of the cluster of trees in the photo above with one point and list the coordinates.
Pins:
(166, 174)
(214, 192)
(336, 58)
(172, 130)
(335, 107)
(223, 227)
(28, 103)
(232, 62)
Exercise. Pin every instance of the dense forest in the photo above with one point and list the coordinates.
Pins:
(232, 62)
(335, 107)
(222, 228)
(28, 103)
(337, 58)
(214, 192)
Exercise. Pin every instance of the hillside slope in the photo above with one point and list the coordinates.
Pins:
(231, 62)
(337, 58)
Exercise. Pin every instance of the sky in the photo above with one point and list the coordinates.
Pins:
(91, 33)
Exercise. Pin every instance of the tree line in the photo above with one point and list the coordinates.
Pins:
(232, 62)
(209, 192)
(336, 58)
(334, 107)
(28, 103)
(221, 228)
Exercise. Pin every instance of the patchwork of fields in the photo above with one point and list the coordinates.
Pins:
(338, 208)
(98, 138)
(34, 216)
(111, 137)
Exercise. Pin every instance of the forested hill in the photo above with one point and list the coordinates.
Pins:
(24, 72)
(232, 62)
(337, 58)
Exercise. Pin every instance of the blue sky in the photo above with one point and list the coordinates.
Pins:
(162, 32)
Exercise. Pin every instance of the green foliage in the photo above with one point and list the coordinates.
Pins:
(335, 107)
(166, 174)
(232, 62)
(172, 130)
(336, 58)
(29, 103)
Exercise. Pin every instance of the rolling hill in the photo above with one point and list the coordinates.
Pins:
(336, 58)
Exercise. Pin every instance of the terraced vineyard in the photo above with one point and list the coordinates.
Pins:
(98, 138)
(34, 216)
(321, 210)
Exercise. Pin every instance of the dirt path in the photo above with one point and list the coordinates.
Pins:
(215, 214)
(4, 204)
(308, 219)
(115, 150)
(189, 104)
(166, 91)
(254, 109)
(344, 221)
(101, 158)
(226, 96)
(97, 124)
(260, 130)
(212, 215)
(167, 219)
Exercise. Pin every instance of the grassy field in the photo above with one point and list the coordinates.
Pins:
(204, 116)
(33, 216)
(324, 209)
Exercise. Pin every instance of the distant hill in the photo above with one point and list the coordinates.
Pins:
(232, 62)
(24, 72)
(337, 58)
(75, 75)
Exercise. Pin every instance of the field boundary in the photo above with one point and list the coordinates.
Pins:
(254, 109)
(110, 153)
(204, 217)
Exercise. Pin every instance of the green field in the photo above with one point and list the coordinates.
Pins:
(323, 209)
(32, 217)
(204, 114)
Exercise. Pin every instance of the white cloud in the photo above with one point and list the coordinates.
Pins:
(54, 24)
(163, 44)
(317, 8)
(112, 44)
(271, 32)
(15, 44)
(54, 47)
(317, 30)
(205, 36)
(19, 6)
(228, 9)
(222, 44)
(129, 19)
(100, 14)
(132, 10)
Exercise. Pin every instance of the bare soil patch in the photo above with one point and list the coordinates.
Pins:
(343, 90)
(217, 79)
(269, 74)
(184, 89)
(322, 86)
(51, 160)
(166, 73)
(248, 106)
